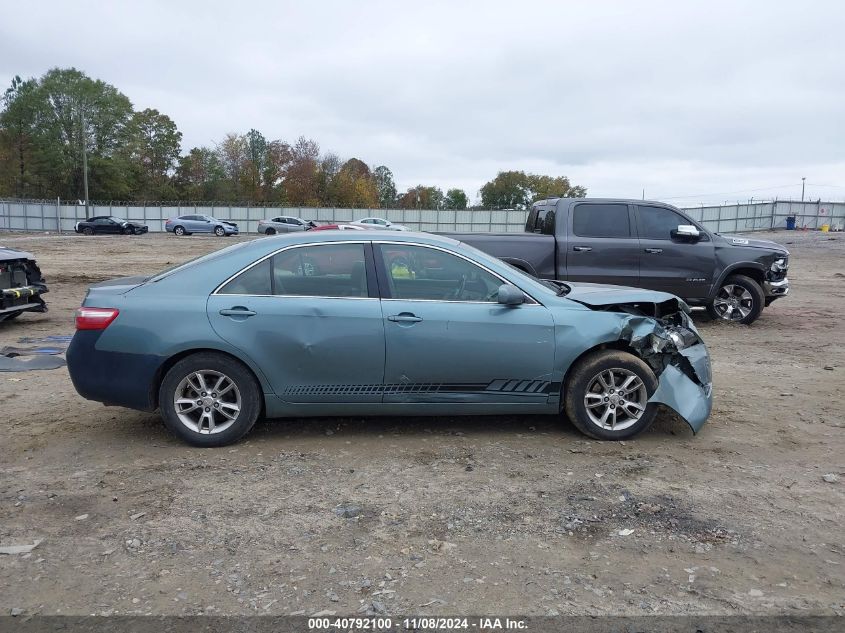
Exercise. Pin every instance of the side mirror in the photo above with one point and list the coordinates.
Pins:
(510, 295)
(687, 232)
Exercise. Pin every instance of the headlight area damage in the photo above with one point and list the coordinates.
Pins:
(663, 335)
(21, 284)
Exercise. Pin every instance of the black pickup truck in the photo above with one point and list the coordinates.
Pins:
(646, 245)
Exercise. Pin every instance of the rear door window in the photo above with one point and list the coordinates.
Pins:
(601, 220)
(333, 270)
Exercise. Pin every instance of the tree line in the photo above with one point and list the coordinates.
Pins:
(137, 155)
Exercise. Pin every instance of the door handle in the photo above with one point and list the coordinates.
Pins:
(404, 317)
(654, 251)
(238, 311)
(582, 249)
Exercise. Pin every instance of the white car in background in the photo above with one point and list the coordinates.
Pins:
(381, 223)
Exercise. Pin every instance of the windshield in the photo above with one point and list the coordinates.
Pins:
(526, 281)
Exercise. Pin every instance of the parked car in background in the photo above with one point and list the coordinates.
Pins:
(21, 284)
(187, 224)
(284, 224)
(345, 227)
(436, 328)
(381, 223)
(644, 244)
(109, 225)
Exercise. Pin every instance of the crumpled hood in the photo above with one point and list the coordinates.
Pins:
(754, 243)
(595, 295)
(7, 253)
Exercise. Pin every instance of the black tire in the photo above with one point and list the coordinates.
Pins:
(748, 296)
(219, 231)
(128, 230)
(88, 231)
(137, 231)
(270, 231)
(233, 370)
(179, 231)
(581, 380)
(10, 315)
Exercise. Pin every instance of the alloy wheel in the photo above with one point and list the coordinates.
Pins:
(207, 401)
(616, 399)
(733, 302)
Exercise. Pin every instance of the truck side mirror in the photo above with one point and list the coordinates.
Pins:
(686, 232)
(510, 295)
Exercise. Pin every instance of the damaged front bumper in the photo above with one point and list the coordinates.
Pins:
(691, 397)
(674, 350)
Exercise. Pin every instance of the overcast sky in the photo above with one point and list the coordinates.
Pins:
(691, 101)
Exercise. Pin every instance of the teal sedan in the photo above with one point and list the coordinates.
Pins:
(336, 323)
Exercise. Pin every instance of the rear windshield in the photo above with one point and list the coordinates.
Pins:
(197, 260)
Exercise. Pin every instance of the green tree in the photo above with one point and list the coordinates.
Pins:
(517, 190)
(456, 199)
(153, 148)
(354, 186)
(385, 186)
(200, 175)
(76, 110)
(18, 141)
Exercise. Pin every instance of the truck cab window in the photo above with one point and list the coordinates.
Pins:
(601, 220)
(657, 223)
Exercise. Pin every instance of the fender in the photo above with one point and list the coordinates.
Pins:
(523, 265)
(730, 270)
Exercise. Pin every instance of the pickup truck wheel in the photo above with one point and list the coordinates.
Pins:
(88, 231)
(209, 399)
(739, 300)
(606, 395)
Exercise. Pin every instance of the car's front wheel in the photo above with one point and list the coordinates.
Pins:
(740, 299)
(219, 231)
(209, 399)
(606, 395)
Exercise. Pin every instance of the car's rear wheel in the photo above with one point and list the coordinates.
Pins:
(740, 299)
(209, 399)
(179, 231)
(219, 231)
(606, 395)
(270, 231)
(88, 231)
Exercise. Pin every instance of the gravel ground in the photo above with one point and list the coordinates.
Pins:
(513, 515)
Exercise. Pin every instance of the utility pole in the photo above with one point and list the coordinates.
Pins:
(802, 188)
(84, 160)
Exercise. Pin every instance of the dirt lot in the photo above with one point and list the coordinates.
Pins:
(507, 515)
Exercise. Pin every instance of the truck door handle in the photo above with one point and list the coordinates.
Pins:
(404, 317)
(582, 249)
(237, 311)
(654, 251)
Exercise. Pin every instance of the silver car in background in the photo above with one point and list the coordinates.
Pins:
(283, 224)
(381, 223)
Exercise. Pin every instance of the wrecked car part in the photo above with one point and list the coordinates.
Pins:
(21, 284)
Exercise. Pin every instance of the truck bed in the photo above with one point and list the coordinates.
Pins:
(531, 252)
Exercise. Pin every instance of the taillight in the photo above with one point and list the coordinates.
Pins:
(95, 318)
